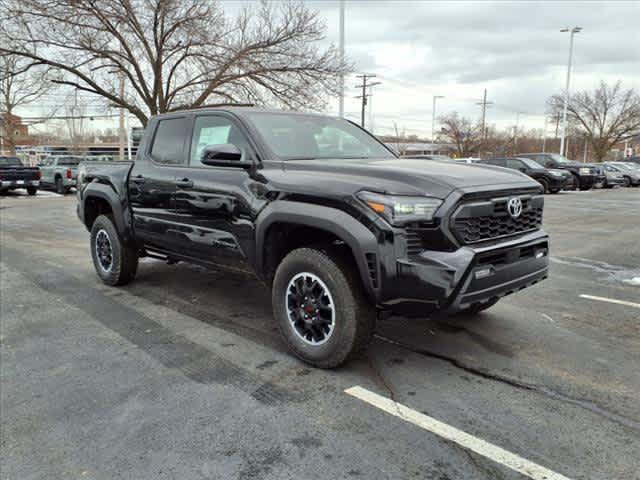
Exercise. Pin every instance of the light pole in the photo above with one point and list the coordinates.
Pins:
(433, 118)
(341, 56)
(573, 31)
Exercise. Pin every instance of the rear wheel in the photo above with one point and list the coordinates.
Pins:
(60, 186)
(115, 262)
(321, 308)
(627, 181)
(32, 190)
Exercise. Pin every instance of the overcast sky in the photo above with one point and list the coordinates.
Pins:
(457, 49)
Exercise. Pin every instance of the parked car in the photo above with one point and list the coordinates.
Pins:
(628, 175)
(552, 180)
(60, 172)
(13, 174)
(613, 177)
(635, 159)
(584, 175)
(330, 218)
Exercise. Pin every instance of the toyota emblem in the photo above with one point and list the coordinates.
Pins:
(514, 207)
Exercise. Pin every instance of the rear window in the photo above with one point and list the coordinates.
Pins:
(10, 161)
(69, 162)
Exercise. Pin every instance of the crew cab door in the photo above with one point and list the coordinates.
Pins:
(152, 186)
(216, 206)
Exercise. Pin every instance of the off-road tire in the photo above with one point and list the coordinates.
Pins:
(125, 257)
(32, 190)
(354, 317)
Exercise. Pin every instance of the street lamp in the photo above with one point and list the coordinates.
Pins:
(573, 31)
(433, 117)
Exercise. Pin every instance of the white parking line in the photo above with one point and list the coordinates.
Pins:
(465, 440)
(611, 300)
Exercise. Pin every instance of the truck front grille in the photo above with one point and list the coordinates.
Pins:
(489, 219)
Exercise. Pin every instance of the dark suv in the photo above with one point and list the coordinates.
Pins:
(584, 175)
(323, 213)
(552, 180)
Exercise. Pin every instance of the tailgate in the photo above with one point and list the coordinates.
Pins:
(20, 173)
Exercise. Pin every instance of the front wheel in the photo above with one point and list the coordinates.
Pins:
(321, 308)
(627, 181)
(545, 185)
(115, 262)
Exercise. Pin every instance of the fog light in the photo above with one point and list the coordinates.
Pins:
(483, 273)
(540, 253)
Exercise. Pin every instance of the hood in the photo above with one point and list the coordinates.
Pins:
(394, 176)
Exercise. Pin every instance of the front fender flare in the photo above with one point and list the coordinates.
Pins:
(359, 238)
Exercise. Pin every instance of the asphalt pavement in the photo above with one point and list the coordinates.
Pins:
(182, 374)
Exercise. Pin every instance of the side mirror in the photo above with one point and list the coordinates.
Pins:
(523, 169)
(217, 155)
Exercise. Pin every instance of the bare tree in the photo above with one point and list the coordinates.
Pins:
(462, 132)
(21, 83)
(176, 54)
(604, 117)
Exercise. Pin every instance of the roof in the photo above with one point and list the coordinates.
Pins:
(241, 109)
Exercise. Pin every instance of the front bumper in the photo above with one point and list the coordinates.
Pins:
(452, 281)
(19, 183)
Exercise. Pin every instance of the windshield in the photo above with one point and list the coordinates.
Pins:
(310, 137)
(560, 158)
(531, 163)
(10, 161)
(69, 161)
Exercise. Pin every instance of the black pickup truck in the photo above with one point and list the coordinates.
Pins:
(552, 180)
(585, 176)
(323, 213)
(13, 174)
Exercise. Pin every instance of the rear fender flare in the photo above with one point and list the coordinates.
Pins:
(121, 214)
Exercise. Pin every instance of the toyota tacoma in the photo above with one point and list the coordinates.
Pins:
(332, 221)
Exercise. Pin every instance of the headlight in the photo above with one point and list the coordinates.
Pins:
(584, 171)
(398, 210)
(557, 174)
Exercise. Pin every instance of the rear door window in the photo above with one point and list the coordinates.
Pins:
(169, 140)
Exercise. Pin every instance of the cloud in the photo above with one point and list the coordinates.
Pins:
(456, 49)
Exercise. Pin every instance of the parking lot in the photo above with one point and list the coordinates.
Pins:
(182, 374)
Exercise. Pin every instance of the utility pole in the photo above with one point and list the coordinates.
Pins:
(573, 31)
(484, 104)
(515, 132)
(433, 118)
(121, 129)
(364, 77)
(341, 57)
(557, 123)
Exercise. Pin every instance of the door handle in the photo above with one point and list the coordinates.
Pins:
(184, 183)
(138, 179)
